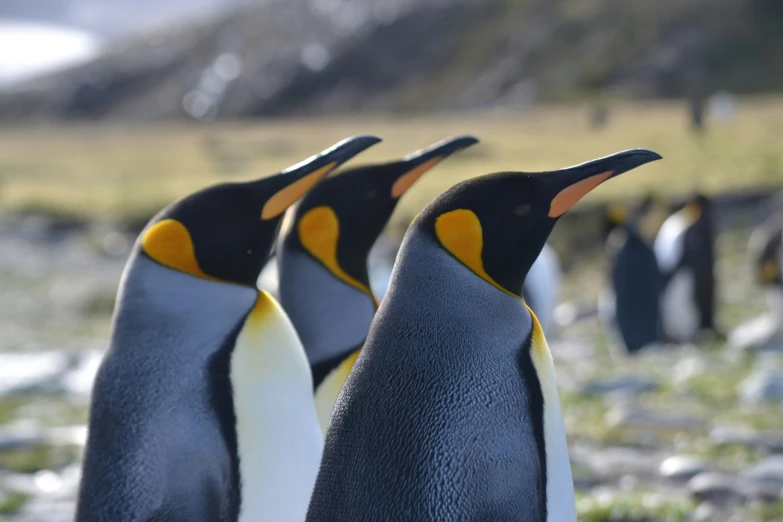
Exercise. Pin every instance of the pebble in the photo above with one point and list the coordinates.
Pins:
(79, 379)
(765, 479)
(23, 435)
(762, 386)
(51, 493)
(628, 385)
(716, 488)
(24, 373)
(761, 334)
(682, 468)
(46, 373)
(632, 416)
(612, 463)
(745, 436)
(687, 368)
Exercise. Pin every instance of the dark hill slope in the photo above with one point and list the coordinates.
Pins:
(287, 57)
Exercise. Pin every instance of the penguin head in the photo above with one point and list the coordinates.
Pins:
(225, 232)
(696, 206)
(496, 225)
(339, 220)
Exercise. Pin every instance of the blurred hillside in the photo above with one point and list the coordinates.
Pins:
(296, 57)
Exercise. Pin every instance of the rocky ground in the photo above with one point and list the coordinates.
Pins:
(677, 434)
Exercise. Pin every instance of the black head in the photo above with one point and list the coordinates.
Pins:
(225, 232)
(347, 212)
(627, 215)
(497, 224)
(698, 206)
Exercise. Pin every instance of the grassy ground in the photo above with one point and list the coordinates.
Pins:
(113, 172)
(121, 172)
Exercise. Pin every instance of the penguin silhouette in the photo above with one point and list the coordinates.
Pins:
(631, 305)
(202, 408)
(685, 249)
(324, 284)
(451, 411)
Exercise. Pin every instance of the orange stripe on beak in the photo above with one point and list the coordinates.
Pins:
(568, 197)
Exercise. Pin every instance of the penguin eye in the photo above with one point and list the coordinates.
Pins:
(521, 210)
(370, 194)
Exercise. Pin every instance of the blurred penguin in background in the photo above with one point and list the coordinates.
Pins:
(685, 250)
(631, 305)
(766, 248)
(766, 254)
(542, 288)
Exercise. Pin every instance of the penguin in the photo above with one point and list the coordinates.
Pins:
(765, 333)
(631, 304)
(202, 408)
(541, 289)
(685, 250)
(648, 215)
(614, 216)
(451, 411)
(766, 248)
(324, 285)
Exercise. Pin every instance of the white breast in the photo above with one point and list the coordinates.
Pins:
(561, 505)
(279, 440)
(679, 313)
(669, 244)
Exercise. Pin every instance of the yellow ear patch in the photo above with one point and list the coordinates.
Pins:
(459, 231)
(319, 231)
(770, 271)
(568, 197)
(617, 213)
(286, 196)
(407, 180)
(168, 242)
(691, 212)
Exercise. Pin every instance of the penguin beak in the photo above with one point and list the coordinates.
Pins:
(573, 183)
(301, 177)
(416, 164)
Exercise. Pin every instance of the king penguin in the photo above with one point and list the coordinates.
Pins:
(685, 250)
(631, 304)
(766, 253)
(202, 408)
(766, 247)
(451, 411)
(324, 285)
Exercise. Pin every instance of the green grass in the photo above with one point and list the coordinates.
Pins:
(91, 171)
(36, 458)
(633, 507)
(12, 502)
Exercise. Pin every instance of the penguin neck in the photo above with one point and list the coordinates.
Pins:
(331, 317)
(423, 263)
(172, 335)
(166, 299)
(279, 440)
